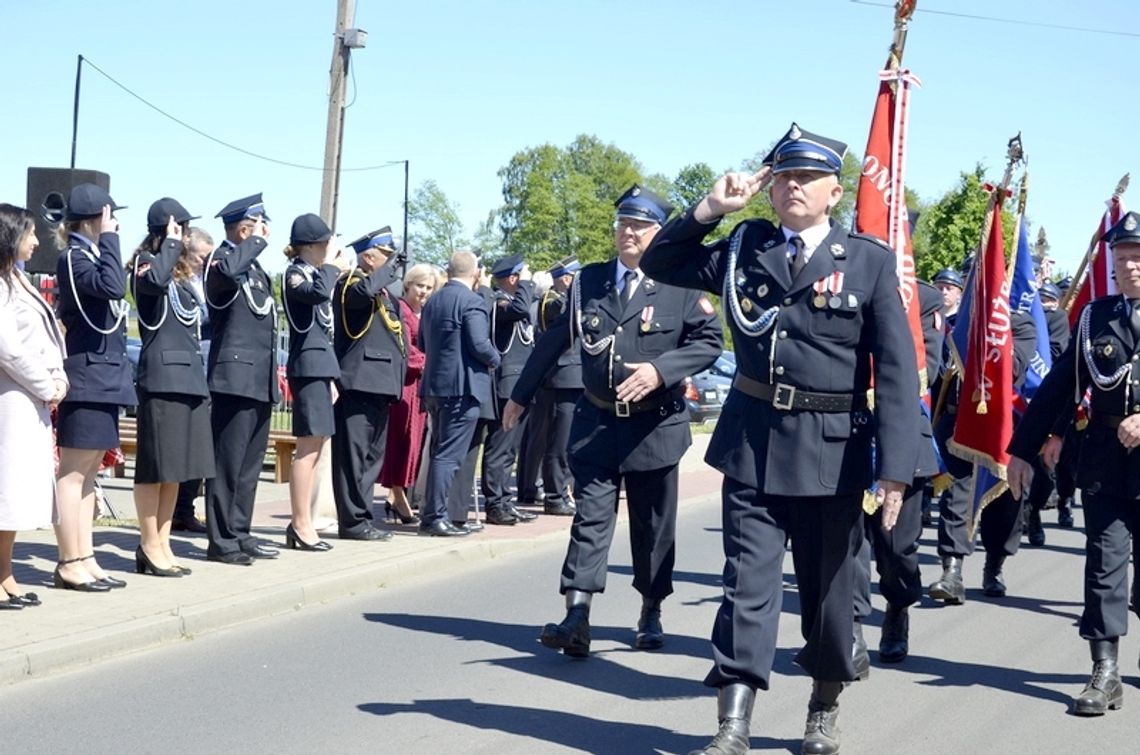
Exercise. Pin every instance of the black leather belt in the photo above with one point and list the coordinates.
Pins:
(788, 397)
(1108, 420)
(666, 404)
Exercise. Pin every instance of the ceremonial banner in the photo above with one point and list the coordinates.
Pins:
(985, 420)
(1023, 297)
(1098, 281)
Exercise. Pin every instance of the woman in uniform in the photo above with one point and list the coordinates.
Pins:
(92, 284)
(174, 438)
(316, 261)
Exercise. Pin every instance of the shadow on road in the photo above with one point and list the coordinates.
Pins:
(950, 673)
(561, 728)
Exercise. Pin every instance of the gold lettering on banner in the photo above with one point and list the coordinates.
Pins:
(998, 326)
(880, 177)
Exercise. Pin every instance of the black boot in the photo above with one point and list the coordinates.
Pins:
(733, 713)
(572, 636)
(1065, 513)
(1036, 531)
(860, 659)
(1104, 691)
(894, 642)
(992, 584)
(821, 732)
(650, 635)
(949, 587)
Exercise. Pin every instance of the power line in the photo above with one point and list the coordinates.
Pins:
(1013, 21)
(226, 144)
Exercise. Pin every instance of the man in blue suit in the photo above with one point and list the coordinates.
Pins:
(460, 359)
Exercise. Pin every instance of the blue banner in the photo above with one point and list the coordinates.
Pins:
(1023, 298)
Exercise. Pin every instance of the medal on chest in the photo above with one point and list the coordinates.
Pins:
(647, 319)
(827, 291)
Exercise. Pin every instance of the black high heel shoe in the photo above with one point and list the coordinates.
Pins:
(92, 586)
(294, 541)
(110, 582)
(392, 515)
(143, 565)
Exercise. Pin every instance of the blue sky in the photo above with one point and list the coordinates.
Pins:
(458, 87)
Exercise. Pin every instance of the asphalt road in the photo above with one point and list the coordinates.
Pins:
(451, 664)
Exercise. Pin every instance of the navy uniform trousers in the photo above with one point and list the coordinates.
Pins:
(361, 421)
(896, 556)
(241, 432)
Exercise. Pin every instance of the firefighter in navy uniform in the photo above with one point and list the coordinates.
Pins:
(1104, 356)
(513, 333)
(557, 398)
(372, 348)
(815, 313)
(242, 375)
(638, 340)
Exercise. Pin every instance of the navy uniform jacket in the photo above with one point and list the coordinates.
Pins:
(307, 292)
(243, 350)
(1105, 466)
(674, 329)
(513, 333)
(455, 338)
(567, 371)
(1058, 322)
(933, 333)
(96, 365)
(171, 357)
(373, 358)
(825, 350)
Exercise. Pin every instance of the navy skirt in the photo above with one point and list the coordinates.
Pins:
(312, 407)
(175, 443)
(88, 425)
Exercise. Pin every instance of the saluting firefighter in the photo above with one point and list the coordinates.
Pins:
(174, 441)
(1104, 357)
(93, 316)
(815, 314)
(372, 348)
(242, 376)
(638, 340)
(316, 261)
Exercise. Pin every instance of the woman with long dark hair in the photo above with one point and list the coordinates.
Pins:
(174, 439)
(92, 284)
(32, 381)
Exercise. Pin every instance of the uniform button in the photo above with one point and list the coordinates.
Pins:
(617, 329)
(780, 370)
(783, 334)
(1136, 408)
(787, 302)
(617, 357)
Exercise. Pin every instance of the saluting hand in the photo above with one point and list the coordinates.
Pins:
(173, 229)
(732, 192)
(1019, 475)
(889, 494)
(337, 257)
(1129, 432)
(107, 223)
(512, 413)
(644, 380)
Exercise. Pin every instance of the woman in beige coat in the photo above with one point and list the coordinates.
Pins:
(32, 381)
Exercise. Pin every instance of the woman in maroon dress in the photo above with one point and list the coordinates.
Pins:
(407, 421)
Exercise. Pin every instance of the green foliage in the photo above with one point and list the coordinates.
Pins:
(951, 228)
(436, 228)
(692, 184)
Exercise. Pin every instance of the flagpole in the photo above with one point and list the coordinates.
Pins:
(1092, 251)
(1022, 196)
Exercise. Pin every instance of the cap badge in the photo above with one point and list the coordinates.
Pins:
(795, 133)
(636, 191)
(1130, 223)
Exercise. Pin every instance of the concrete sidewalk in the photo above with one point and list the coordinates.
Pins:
(73, 628)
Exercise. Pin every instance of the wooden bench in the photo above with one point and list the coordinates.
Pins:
(281, 441)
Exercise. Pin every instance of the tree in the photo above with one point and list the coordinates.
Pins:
(488, 238)
(436, 228)
(692, 184)
(951, 228)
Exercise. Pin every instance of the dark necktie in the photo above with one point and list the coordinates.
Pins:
(1135, 319)
(627, 286)
(796, 259)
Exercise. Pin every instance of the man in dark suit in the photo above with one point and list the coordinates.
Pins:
(815, 314)
(242, 375)
(638, 340)
(1104, 358)
(458, 361)
(513, 334)
(372, 349)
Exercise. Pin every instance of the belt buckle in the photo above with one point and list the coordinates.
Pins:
(621, 408)
(784, 396)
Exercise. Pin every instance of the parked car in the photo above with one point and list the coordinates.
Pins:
(706, 391)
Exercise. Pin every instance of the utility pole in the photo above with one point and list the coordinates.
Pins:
(344, 42)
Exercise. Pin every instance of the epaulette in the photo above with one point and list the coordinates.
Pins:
(874, 239)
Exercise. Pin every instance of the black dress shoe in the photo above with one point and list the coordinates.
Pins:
(441, 528)
(501, 515)
(522, 516)
(1065, 513)
(257, 550)
(949, 587)
(860, 659)
(650, 635)
(559, 508)
(572, 635)
(367, 533)
(188, 524)
(992, 583)
(1036, 531)
(238, 558)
